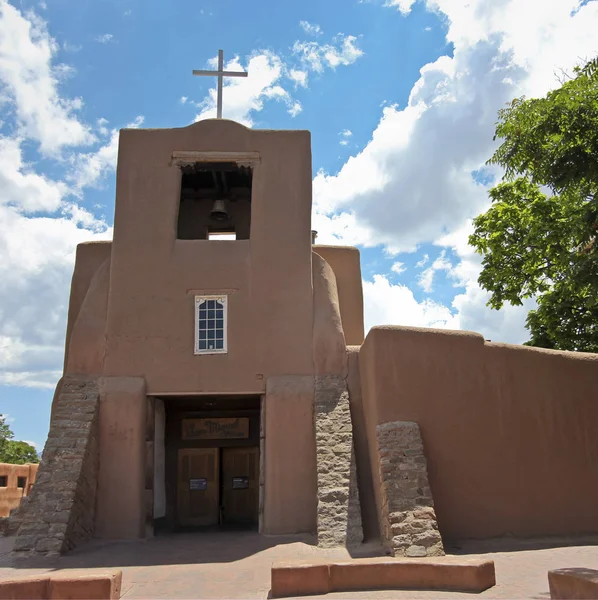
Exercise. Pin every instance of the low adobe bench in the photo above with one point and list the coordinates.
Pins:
(573, 583)
(63, 586)
(303, 578)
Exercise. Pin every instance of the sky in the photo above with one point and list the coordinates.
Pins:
(400, 96)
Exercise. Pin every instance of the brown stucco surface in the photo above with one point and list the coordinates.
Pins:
(87, 338)
(268, 277)
(120, 509)
(575, 583)
(508, 430)
(345, 263)
(290, 462)
(329, 353)
(88, 259)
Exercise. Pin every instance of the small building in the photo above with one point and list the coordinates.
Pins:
(216, 373)
(16, 482)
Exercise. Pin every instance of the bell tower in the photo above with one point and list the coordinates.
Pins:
(215, 201)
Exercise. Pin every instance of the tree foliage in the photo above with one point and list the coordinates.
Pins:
(14, 452)
(539, 237)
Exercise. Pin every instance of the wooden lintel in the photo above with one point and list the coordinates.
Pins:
(243, 159)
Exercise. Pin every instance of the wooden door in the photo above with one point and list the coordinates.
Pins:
(198, 487)
(240, 485)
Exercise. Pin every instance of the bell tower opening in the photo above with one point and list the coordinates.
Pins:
(215, 202)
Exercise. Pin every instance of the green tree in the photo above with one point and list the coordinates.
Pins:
(539, 237)
(14, 452)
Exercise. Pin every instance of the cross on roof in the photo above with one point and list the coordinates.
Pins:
(221, 73)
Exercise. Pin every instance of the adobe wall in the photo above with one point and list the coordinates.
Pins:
(154, 276)
(87, 338)
(120, 503)
(290, 462)
(346, 265)
(88, 259)
(508, 431)
(11, 495)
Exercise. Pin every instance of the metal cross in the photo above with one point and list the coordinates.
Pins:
(221, 74)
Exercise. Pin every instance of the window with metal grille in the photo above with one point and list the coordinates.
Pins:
(210, 324)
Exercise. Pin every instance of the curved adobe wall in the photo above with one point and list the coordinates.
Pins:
(509, 431)
(89, 258)
(345, 263)
(330, 350)
(87, 339)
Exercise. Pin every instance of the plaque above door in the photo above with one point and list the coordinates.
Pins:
(215, 429)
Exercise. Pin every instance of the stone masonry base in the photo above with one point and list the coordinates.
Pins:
(339, 511)
(407, 519)
(59, 512)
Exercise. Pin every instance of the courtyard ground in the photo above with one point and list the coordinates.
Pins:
(237, 565)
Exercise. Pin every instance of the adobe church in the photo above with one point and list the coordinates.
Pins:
(216, 374)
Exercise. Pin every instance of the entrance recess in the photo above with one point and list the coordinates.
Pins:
(212, 467)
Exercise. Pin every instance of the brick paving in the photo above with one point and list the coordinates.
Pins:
(237, 565)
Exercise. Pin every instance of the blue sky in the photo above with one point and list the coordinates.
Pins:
(400, 97)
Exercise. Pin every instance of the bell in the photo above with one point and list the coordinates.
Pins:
(218, 212)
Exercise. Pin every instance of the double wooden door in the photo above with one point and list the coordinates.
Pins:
(217, 485)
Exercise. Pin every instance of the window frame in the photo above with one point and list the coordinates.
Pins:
(223, 298)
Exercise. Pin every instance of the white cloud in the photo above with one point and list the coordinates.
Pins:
(183, 99)
(89, 168)
(425, 258)
(104, 38)
(315, 57)
(37, 252)
(28, 78)
(268, 74)
(101, 123)
(243, 96)
(35, 268)
(388, 304)
(426, 277)
(298, 76)
(310, 29)
(21, 186)
(68, 47)
(295, 108)
(403, 5)
(412, 183)
(345, 135)
(398, 268)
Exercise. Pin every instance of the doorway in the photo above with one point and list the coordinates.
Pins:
(211, 468)
(218, 486)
